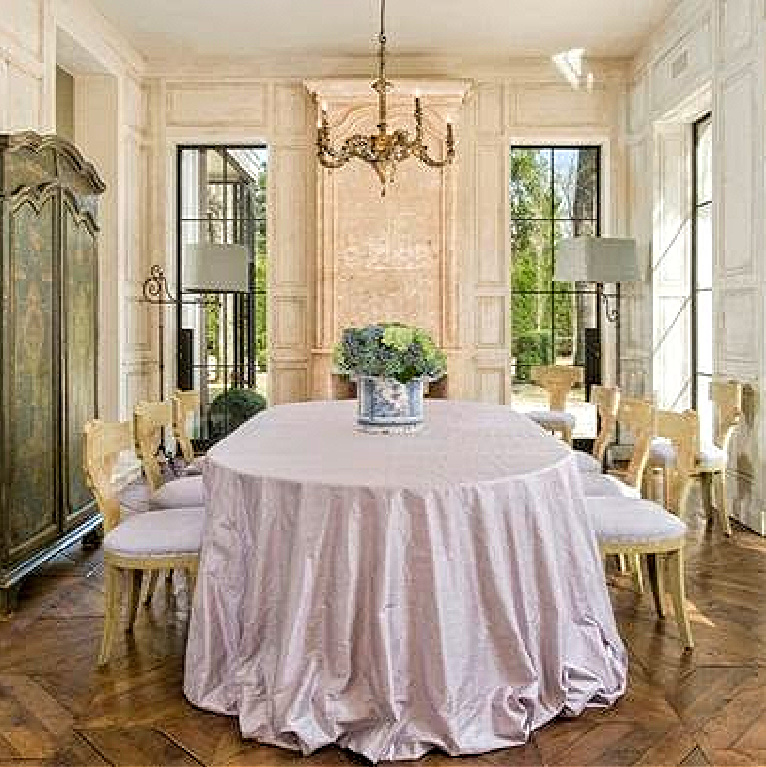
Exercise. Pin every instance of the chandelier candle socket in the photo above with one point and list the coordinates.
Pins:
(382, 150)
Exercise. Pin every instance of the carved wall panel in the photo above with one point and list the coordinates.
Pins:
(392, 257)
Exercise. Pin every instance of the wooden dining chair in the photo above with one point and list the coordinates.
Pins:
(139, 543)
(606, 400)
(557, 380)
(642, 528)
(638, 417)
(343, 386)
(184, 405)
(438, 389)
(149, 422)
(712, 459)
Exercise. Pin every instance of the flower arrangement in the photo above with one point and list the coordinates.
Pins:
(390, 350)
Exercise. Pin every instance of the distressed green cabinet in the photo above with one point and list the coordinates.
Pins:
(48, 348)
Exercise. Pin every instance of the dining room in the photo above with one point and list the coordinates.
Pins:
(381, 382)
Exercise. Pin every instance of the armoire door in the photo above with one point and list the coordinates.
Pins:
(79, 305)
(30, 440)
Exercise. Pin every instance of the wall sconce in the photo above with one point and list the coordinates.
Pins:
(599, 260)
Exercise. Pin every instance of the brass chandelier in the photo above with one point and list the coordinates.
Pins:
(382, 150)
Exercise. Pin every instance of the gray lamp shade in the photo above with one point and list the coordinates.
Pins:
(597, 259)
(215, 268)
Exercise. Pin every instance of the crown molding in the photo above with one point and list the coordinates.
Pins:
(91, 30)
(425, 67)
(354, 90)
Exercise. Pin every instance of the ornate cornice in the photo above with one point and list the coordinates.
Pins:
(35, 142)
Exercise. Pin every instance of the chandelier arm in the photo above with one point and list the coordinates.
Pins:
(421, 152)
(328, 160)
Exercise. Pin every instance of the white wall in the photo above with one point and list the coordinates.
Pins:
(708, 54)
(27, 74)
(521, 102)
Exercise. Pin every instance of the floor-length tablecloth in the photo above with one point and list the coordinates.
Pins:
(396, 593)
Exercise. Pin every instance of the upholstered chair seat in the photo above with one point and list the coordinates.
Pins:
(586, 463)
(631, 522)
(184, 492)
(553, 420)
(157, 533)
(709, 457)
(606, 485)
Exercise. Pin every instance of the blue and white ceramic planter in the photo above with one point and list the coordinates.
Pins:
(387, 405)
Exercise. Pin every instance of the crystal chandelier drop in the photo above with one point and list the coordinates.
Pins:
(382, 150)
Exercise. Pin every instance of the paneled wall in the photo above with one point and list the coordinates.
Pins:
(193, 110)
(533, 106)
(27, 100)
(708, 55)
(389, 257)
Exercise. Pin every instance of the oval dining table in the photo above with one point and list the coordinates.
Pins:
(395, 593)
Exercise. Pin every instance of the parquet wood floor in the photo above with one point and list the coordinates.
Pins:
(706, 707)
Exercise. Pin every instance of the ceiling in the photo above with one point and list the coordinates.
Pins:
(242, 29)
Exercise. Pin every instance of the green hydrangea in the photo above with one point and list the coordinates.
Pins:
(390, 350)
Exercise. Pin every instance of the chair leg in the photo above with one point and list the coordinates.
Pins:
(191, 577)
(622, 565)
(112, 587)
(657, 582)
(706, 480)
(675, 560)
(723, 504)
(134, 598)
(151, 586)
(169, 577)
(638, 573)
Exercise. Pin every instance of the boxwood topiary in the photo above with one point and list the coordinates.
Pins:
(230, 409)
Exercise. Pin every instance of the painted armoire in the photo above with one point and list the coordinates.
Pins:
(48, 349)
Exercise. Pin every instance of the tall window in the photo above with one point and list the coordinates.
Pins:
(222, 336)
(702, 274)
(554, 193)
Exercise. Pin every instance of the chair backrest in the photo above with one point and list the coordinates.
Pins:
(607, 400)
(682, 429)
(557, 380)
(438, 389)
(342, 386)
(184, 405)
(639, 417)
(727, 400)
(149, 420)
(103, 441)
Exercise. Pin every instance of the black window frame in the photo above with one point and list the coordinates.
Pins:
(551, 291)
(697, 125)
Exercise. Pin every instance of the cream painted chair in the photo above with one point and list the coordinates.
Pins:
(139, 543)
(637, 527)
(638, 417)
(149, 421)
(712, 460)
(557, 380)
(184, 405)
(607, 400)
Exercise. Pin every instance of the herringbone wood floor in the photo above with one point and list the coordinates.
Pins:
(707, 707)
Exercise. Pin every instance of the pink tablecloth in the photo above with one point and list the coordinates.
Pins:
(393, 594)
